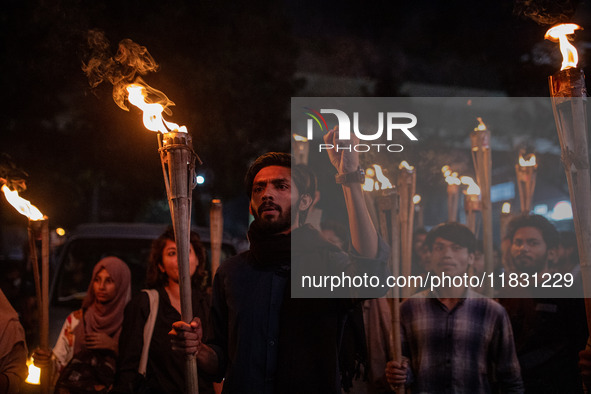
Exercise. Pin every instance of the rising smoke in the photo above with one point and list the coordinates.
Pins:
(130, 61)
(546, 12)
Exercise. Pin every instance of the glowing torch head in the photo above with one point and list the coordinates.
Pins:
(529, 162)
(299, 138)
(21, 205)
(473, 188)
(404, 165)
(382, 179)
(559, 34)
(506, 208)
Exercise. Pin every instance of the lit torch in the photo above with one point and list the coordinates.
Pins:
(526, 170)
(569, 98)
(387, 202)
(38, 227)
(178, 166)
(418, 209)
(300, 149)
(407, 179)
(453, 193)
(472, 203)
(481, 156)
(505, 218)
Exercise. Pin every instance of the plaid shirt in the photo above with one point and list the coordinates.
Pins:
(468, 349)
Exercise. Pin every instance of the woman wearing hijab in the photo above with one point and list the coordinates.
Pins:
(13, 350)
(86, 350)
(164, 371)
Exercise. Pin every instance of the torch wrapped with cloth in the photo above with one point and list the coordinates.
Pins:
(569, 98)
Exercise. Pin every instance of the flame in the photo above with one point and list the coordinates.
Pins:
(369, 184)
(22, 205)
(152, 111)
(473, 188)
(481, 126)
(506, 207)
(416, 199)
(559, 33)
(404, 164)
(446, 170)
(299, 138)
(381, 178)
(34, 372)
(60, 231)
(369, 181)
(531, 162)
(452, 179)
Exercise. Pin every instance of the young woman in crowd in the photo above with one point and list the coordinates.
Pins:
(165, 369)
(85, 353)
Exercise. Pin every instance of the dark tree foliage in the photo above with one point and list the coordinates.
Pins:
(228, 67)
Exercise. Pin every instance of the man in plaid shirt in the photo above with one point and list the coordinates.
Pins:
(454, 340)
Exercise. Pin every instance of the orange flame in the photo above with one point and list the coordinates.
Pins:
(481, 126)
(473, 188)
(370, 183)
(452, 179)
(506, 207)
(152, 111)
(531, 162)
(404, 164)
(299, 138)
(559, 33)
(21, 205)
(381, 178)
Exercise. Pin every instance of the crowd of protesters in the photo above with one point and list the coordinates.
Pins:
(250, 336)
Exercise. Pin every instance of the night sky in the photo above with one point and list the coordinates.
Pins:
(231, 70)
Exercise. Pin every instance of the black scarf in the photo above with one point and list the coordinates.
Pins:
(272, 251)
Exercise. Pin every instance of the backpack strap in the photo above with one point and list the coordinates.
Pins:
(148, 329)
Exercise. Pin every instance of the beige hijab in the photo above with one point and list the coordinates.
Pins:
(106, 318)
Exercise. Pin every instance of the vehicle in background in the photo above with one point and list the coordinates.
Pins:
(85, 246)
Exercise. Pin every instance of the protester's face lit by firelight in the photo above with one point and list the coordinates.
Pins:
(273, 195)
(529, 250)
(449, 258)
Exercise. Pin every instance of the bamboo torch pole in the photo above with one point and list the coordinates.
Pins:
(178, 163)
(388, 206)
(481, 155)
(505, 219)
(38, 227)
(453, 192)
(569, 98)
(418, 210)
(525, 171)
(301, 149)
(472, 206)
(216, 230)
(407, 178)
